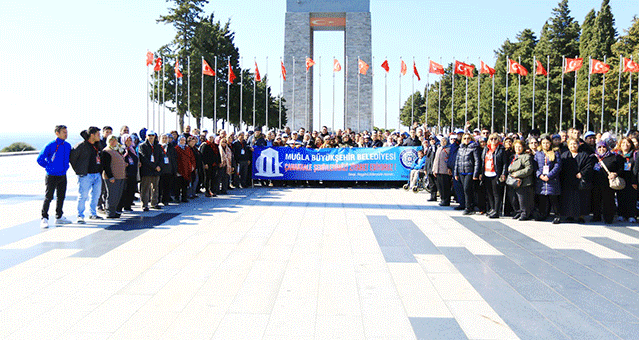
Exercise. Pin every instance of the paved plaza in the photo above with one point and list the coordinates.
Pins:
(307, 263)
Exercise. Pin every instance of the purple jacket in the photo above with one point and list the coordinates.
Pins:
(551, 187)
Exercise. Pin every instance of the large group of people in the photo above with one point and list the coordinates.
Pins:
(562, 175)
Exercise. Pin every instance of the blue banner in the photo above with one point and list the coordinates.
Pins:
(336, 164)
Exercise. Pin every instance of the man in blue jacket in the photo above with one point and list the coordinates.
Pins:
(54, 158)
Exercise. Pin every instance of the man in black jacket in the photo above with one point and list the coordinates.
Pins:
(242, 153)
(168, 171)
(431, 147)
(85, 160)
(211, 161)
(413, 140)
(151, 156)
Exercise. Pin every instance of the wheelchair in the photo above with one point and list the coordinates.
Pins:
(421, 185)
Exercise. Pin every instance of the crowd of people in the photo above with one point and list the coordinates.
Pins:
(564, 177)
(494, 174)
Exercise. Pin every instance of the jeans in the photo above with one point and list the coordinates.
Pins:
(88, 182)
(59, 185)
(467, 186)
(458, 192)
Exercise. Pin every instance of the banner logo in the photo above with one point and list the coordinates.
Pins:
(408, 158)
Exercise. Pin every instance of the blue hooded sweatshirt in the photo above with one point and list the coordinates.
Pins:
(54, 158)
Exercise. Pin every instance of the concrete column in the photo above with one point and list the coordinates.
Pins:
(298, 43)
(357, 42)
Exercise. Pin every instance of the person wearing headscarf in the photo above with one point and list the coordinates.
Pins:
(226, 164)
(628, 197)
(186, 167)
(169, 169)
(131, 184)
(603, 195)
(114, 175)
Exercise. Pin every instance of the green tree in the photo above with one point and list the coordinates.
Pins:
(627, 47)
(418, 109)
(18, 147)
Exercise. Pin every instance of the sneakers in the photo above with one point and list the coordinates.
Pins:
(80, 220)
(44, 223)
(632, 220)
(95, 217)
(62, 220)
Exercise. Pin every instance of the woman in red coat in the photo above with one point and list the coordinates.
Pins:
(186, 165)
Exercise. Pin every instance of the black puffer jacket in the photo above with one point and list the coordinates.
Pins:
(172, 167)
(500, 162)
(468, 160)
(145, 151)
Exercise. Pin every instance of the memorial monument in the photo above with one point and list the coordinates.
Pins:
(302, 19)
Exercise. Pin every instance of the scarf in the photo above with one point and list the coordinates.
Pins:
(606, 153)
(128, 150)
(118, 147)
(180, 145)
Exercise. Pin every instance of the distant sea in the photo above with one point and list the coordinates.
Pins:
(38, 141)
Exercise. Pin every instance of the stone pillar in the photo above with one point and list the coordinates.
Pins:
(298, 44)
(357, 42)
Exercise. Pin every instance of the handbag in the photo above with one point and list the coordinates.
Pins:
(617, 183)
(513, 182)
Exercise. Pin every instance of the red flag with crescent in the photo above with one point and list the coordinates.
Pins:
(336, 66)
(403, 67)
(484, 68)
(435, 68)
(415, 70)
(206, 69)
(629, 65)
(158, 65)
(385, 65)
(540, 69)
(177, 70)
(310, 63)
(517, 68)
(599, 67)
(464, 69)
(362, 67)
(572, 64)
(232, 75)
(258, 78)
(149, 58)
(283, 70)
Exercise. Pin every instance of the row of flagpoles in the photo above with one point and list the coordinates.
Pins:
(513, 67)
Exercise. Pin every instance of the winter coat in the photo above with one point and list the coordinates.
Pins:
(614, 162)
(420, 164)
(412, 141)
(172, 167)
(500, 161)
(186, 162)
(582, 163)
(238, 153)
(628, 175)
(81, 155)
(145, 151)
(210, 154)
(54, 158)
(552, 186)
(430, 154)
(131, 158)
(226, 155)
(453, 155)
(522, 167)
(468, 160)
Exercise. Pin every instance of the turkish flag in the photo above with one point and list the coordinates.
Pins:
(206, 69)
(283, 70)
(158, 65)
(362, 67)
(517, 68)
(403, 67)
(336, 66)
(629, 65)
(435, 68)
(484, 68)
(232, 75)
(177, 70)
(540, 69)
(310, 63)
(464, 69)
(257, 72)
(573, 64)
(149, 58)
(599, 67)
(385, 65)
(415, 70)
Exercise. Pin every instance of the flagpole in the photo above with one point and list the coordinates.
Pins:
(372, 71)
(228, 93)
(493, 91)
(346, 78)
(413, 91)
(506, 100)
(546, 122)
(575, 89)
(359, 94)
(176, 95)
(589, 93)
(630, 82)
(215, 96)
(254, 96)
(293, 90)
(306, 100)
(266, 96)
(426, 106)
(202, 90)
(241, 92)
(604, 77)
(319, 92)
(147, 80)
(188, 89)
(399, 95)
(519, 76)
(385, 98)
(280, 99)
(333, 98)
(453, 86)
(618, 100)
(153, 96)
(479, 96)
(466, 97)
(561, 92)
(439, 96)
(533, 97)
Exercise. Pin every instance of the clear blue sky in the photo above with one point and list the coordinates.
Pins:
(81, 63)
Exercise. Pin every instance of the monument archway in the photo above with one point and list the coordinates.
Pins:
(303, 18)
